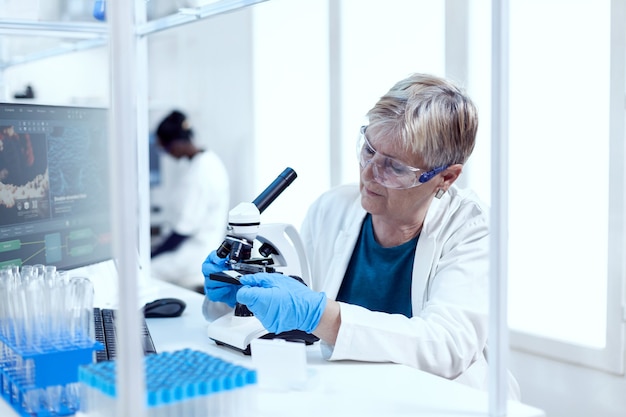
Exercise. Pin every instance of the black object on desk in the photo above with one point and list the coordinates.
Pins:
(164, 307)
(104, 326)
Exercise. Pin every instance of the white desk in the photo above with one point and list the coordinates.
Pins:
(337, 388)
(334, 388)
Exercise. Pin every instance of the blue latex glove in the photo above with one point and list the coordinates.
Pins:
(217, 290)
(281, 303)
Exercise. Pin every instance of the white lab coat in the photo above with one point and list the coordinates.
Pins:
(199, 203)
(447, 334)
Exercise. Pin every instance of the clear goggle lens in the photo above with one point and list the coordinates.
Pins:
(390, 172)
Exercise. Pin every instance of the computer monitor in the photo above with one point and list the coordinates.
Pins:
(154, 161)
(55, 201)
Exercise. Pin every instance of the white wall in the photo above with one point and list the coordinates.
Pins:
(291, 93)
(292, 85)
(381, 45)
(205, 70)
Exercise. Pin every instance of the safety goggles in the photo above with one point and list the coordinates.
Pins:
(390, 172)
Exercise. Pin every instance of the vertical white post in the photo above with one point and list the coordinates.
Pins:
(143, 152)
(123, 139)
(617, 178)
(457, 18)
(336, 92)
(499, 231)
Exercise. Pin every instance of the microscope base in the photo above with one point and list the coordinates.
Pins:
(236, 332)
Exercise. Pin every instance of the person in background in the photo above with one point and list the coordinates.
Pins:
(199, 203)
(399, 262)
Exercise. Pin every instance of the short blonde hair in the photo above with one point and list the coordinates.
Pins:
(430, 116)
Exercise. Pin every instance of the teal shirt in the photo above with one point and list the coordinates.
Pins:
(379, 278)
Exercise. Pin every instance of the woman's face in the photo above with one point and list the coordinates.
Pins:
(400, 205)
(176, 148)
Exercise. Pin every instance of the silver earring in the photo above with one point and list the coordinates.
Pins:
(440, 193)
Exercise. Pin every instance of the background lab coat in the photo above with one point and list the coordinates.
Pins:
(198, 204)
(450, 289)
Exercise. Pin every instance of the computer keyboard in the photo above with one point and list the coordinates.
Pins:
(104, 326)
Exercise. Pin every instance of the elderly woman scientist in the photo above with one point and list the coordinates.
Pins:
(400, 263)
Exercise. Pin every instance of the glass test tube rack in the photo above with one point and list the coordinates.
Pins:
(42, 380)
(46, 326)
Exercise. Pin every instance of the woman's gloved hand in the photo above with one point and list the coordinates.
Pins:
(217, 290)
(281, 303)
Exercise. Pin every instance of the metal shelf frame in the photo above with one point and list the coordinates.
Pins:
(95, 34)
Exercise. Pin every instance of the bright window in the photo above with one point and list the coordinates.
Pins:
(559, 169)
(566, 174)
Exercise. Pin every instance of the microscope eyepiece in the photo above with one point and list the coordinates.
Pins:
(275, 189)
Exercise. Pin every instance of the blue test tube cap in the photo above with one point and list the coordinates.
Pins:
(251, 377)
(165, 396)
(238, 378)
(152, 398)
(191, 390)
(178, 393)
(216, 385)
(228, 382)
(109, 389)
(203, 388)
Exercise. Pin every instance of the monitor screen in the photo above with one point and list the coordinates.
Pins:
(155, 161)
(54, 186)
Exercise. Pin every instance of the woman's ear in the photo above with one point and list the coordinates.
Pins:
(450, 175)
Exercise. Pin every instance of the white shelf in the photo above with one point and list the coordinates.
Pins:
(36, 40)
(192, 14)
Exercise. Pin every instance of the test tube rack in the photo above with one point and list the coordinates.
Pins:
(41, 380)
(181, 383)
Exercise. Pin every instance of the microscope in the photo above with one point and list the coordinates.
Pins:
(250, 247)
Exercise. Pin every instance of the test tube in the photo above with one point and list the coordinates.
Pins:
(35, 303)
(50, 271)
(11, 307)
(39, 270)
(48, 320)
(26, 271)
(81, 306)
(4, 300)
(32, 401)
(71, 396)
(56, 286)
(52, 398)
(23, 331)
